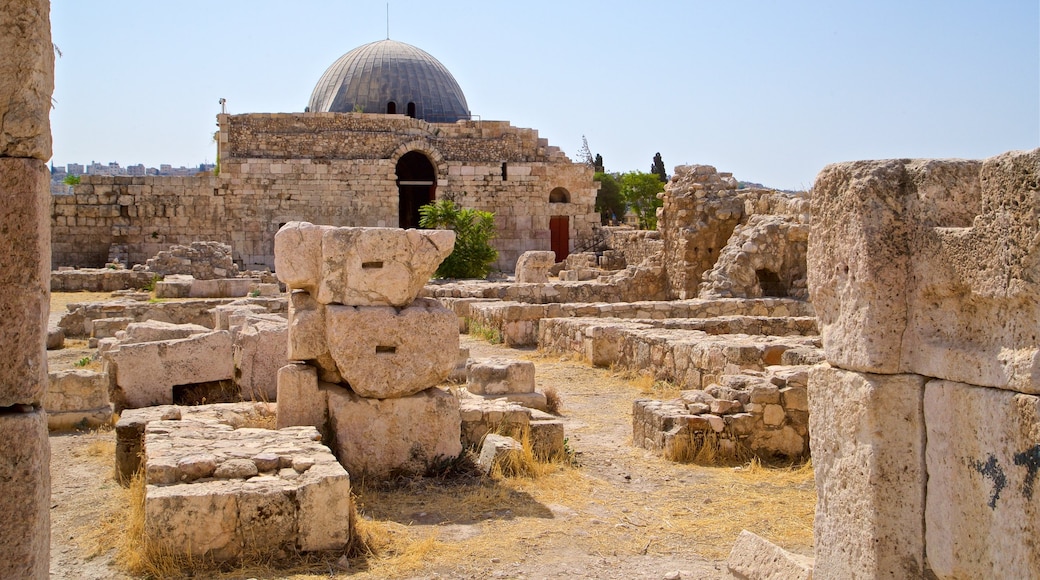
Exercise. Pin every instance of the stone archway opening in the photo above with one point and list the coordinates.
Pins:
(416, 187)
(770, 284)
(559, 195)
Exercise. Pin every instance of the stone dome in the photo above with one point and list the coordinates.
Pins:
(390, 77)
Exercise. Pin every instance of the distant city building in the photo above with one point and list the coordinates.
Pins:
(136, 170)
(75, 169)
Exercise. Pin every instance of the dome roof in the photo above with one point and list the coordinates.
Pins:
(390, 77)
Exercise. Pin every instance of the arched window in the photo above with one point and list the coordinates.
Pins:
(411, 110)
(559, 195)
(391, 108)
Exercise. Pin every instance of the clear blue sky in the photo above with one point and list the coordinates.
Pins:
(771, 91)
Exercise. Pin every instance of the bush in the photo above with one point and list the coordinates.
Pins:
(474, 229)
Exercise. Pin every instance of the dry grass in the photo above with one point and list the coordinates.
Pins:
(647, 385)
(553, 400)
(707, 448)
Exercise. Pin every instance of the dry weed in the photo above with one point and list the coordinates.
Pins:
(553, 400)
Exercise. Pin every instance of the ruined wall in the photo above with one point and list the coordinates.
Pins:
(925, 276)
(325, 168)
(634, 245)
(26, 85)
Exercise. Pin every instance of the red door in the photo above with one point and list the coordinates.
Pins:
(559, 236)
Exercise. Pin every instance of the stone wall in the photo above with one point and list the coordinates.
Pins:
(26, 84)
(634, 245)
(924, 424)
(326, 168)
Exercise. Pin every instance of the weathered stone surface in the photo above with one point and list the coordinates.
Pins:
(755, 558)
(384, 352)
(499, 376)
(259, 350)
(25, 503)
(496, 448)
(55, 338)
(359, 266)
(300, 400)
(77, 397)
(870, 489)
(155, 330)
(24, 201)
(982, 517)
(145, 373)
(763, 257)
(200, 261)
(26, 79)
(306, 327)
(379, 437)
(533, 266)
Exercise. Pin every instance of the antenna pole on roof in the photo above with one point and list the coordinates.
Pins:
(388, 21)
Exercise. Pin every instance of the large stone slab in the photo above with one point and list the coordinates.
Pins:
(534, 266)
(382, 437)
(300, 400)
(983, 509)
(26, 79)
(755, 558)
(499, 376)
(25, 276)
(867, 438)
(359, 266)
(145, 373)
(384, 352)
(25, 503)
(77, 398)
(259, 350)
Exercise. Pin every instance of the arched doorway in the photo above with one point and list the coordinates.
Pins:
(416, 185)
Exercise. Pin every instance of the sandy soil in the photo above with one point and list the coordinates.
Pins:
(620, 512)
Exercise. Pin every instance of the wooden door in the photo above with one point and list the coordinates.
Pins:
(559, 236)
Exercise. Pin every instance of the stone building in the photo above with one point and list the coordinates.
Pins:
(387, 130)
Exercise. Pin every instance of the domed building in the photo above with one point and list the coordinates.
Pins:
(387, 130)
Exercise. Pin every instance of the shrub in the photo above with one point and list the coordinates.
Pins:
(474, 229)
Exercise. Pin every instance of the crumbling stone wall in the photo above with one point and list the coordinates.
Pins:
(326, 168)
(924, 275)
(634, 245)
(26, 85)
(200, 260)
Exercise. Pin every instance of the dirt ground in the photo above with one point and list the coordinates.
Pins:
(616, 512)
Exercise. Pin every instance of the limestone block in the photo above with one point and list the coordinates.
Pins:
(25, 503)
(384, 352)
(359, 266)
(76, 389)
(55, 338)
(224, 313)
(200, 519)
(547, 435)
(25, 277)
(174, 286)
(306, 327)
(145, 373)
(154, 330)
(300, 400)
(379, 437)
(324, 512)
(108, 327)
(534, 266)
(495, 449)
(867, 439)
(499, 376)
(222, 288)
(982, 516)
(26, 79)
(755, 558)
(259, 350)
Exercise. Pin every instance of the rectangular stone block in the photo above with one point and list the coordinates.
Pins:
(300, 399)
(26, 79)
(259, 351)
(384, 352)
(324, 500)
(500, 377)
(379, 437)
(25, 277)
(25, 501)
(983, 510)
(755, 558)
(306, 327)
(867, 439)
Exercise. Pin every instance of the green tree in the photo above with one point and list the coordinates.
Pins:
(608, 199)
(474, 229)
(71, 180)
(639, 190)
(658, 168)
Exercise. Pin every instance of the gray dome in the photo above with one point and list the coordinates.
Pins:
(389, 76)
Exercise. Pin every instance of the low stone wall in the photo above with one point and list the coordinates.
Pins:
(77, 398)
(634, 245)
(517, 323)
(99, 280)
(78, 322)
(693, 359)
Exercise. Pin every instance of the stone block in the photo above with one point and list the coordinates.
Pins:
(359, 266)
(499, 376)
(76, 396)
(222, 288)
(380, 437)
(145, 373)
(26, 79)
(155, 330)
(25, 277)
(174, 286)
(982, 516)
(384, 352)
(495, 449)
(55, 338)
(755, 558)
(867, 438)
(306, 327)
(259, 350)
(534, 266)
(25, 503)
(108, 327)
(324, 511)
(300, 400)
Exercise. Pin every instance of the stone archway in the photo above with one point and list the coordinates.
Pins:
(416, 187)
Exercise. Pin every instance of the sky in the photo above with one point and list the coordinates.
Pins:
(771, 91)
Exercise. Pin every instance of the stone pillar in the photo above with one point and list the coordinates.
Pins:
(925, 277)
(26, 85)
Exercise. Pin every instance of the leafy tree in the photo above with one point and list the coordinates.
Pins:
(474, 229)
(639, 190)
(608, 199)
(71, 180)
(658, 168)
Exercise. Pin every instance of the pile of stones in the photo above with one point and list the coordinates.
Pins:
(365, 354)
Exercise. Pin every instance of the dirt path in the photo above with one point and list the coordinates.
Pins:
(621, 513)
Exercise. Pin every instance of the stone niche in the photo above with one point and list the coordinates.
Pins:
(925, 276)
(366, 353)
